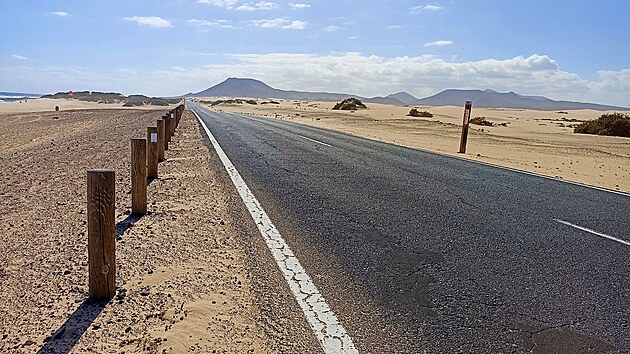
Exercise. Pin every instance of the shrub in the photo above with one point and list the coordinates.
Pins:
(481, 121)
(415, 113)
(614, 124)
(350, 104)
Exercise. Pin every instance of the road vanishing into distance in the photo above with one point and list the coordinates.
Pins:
(422, 253)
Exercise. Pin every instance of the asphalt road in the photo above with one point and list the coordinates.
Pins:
(417, 252)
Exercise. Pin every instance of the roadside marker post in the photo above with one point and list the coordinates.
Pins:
(152, 152)
(138, 176)
(161, 139)
(101, 199)
(173, 123)
(167, 128)
(465, 125)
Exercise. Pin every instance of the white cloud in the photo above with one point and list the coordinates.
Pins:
(352, 73)
(204, 25)
(263, 5)
(150, 21)
(370, 75)
(60, 13)
(332, 28)
(177, 68)
(438, 43)
(18, 57)
(421, 8)
(280, 23)
(393, 27)
(299, 6)
(228, 4)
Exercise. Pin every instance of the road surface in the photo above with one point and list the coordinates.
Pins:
(418, 252)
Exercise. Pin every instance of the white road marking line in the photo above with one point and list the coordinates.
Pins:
(313, 140)
(327, 328)
(592, 231)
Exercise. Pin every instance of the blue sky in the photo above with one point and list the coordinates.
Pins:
(575, 50)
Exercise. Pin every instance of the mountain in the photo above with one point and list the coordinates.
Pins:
(493, 99)
(404, 97)
(237, 87)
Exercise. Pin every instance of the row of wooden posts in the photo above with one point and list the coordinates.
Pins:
(101, 197)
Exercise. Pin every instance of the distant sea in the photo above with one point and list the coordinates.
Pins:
(17, 96)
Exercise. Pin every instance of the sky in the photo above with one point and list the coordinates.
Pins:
(571, 50)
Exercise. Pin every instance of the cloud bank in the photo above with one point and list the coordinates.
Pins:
(352, 73)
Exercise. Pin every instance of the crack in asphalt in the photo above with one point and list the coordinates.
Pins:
(326, 327)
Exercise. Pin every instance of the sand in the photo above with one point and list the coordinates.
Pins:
(183, 282)
(48, 105)
(540, 142)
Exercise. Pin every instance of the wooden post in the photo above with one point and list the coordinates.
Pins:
(101, 222)
(152, 152)
(161, 139)
(167, 128)
(138, 177)
(173, 123)
(465, 124)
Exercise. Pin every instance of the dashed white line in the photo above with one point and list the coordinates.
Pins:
(315, 141)
(593, 232)
(327, 328)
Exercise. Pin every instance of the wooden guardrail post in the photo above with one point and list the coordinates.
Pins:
(101, 223)
(138, 176)
(173, 123)
(152, 152)
(167, 127)
(161, 139)
(465, 125)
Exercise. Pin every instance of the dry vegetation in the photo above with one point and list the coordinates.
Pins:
(350, 104)
(614, 124)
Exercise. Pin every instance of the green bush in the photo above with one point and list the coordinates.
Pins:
(614, 124)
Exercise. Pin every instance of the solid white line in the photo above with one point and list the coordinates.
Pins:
(327, 328)
(593, 232)
(315, 141)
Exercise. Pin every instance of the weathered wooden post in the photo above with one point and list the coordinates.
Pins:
(167, 127)
(152, 152)
(466, 123)
(138, 176)
(173, 123)
(101, 222)
(161, 139)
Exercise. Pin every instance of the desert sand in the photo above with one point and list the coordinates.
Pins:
(48, 105)
(184, 280)
(540, 142)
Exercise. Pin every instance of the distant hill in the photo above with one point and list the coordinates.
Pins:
(114, 97)
(493, 99)
(237, 87)
(404, 97)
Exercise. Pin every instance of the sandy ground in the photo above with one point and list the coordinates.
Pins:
(48, 105)
(184, 281)
(541, 142)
